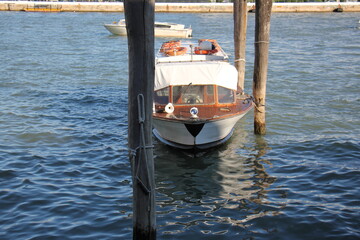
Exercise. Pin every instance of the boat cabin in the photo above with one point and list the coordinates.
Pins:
(207, 85)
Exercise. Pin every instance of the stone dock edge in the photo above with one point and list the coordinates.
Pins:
(175, 7)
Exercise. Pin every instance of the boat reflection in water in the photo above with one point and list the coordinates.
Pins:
(218, 193)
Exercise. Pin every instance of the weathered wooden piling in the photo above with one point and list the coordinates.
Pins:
(139, 15)
(240, 27)
(262, 37)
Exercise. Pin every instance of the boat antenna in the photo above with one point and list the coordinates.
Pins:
(187, 87)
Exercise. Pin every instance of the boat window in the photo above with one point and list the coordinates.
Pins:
(193, 94)
(162, 26)
(225, 95)
(162, 96)
(209, 96)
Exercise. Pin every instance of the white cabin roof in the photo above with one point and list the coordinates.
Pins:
(196, 73)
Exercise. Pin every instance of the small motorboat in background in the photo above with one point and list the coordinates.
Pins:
(161, 29)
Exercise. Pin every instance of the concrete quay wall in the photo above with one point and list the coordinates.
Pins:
(176, 7)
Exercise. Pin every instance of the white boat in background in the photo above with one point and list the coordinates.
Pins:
(161, 29)
(196, 102)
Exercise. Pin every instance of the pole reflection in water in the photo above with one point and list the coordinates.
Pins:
(217, 194)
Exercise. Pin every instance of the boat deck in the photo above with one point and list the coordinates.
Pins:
(190, 54)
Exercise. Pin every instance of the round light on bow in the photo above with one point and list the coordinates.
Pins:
(194, 111)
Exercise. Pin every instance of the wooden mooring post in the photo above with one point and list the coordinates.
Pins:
(139, 15)
(262, 37)
(240, 27)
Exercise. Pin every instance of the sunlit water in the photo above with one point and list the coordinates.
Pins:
(64, 167)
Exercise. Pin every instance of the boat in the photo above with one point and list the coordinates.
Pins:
(161, 29)
(196, 100)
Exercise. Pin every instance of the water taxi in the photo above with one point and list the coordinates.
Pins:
(196, 100)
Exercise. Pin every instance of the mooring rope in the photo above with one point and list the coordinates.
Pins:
(240, 59)
(258, 108)
(261, 42)
(142, 146)
(257, 104)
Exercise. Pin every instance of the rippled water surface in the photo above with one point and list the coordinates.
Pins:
(64, 167)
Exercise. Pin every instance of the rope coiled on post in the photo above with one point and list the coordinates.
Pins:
(142, 146)
(257, 104)
(240, 59)
(267, 42)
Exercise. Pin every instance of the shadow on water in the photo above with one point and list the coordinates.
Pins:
(218, 193)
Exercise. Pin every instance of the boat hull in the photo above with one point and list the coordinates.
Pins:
(177, 33)
(201, 134)
(116, 29)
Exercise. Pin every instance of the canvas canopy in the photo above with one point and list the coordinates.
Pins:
(196, 73)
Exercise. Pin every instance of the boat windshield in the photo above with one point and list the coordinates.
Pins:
(161, 26)
(161, 96)
(193, 94)
(225, 95)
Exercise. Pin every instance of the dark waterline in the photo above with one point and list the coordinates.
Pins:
(64, 168)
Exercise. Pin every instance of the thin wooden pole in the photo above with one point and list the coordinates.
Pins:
(240, 26)
(262, 37)
(139, 15)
